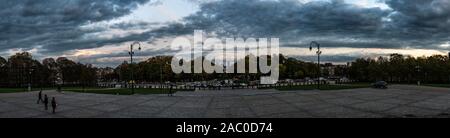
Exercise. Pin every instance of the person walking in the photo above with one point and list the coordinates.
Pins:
(170, 90)
(39, 97)
(46, 102)
(53, 105)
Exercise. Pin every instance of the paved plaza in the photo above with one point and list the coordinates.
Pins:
(397, 101)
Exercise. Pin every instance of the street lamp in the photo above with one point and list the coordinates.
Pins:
(31, 69)
(318, 52)
(161, 72)
(131, 53)
(29, 79)
(418, 71)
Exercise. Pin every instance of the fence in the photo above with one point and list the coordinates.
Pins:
(211, 87)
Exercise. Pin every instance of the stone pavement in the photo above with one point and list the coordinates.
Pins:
(397, 101)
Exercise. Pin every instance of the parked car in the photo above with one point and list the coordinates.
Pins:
(380, 85)
(243, 84)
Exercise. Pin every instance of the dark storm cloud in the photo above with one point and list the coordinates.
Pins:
(290, 20)
(422, 15)
(419, 23)
(328, 58)
(55, 24)
(287, 17)
(114, 59)
(335, 43)
(409, 23)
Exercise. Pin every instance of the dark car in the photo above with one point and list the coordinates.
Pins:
(380, 85)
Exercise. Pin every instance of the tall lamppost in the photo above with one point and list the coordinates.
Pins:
(131, 52)
(318, 52)
(30, 71)
(418, 71)
(161, 72)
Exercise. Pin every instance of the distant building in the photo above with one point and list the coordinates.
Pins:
(103, 74)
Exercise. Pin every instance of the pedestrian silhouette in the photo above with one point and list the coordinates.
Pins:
(46, 102)
(170, 90)
(39, 97)
(53, 105)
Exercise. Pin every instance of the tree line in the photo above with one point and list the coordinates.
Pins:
(21, 69)
(398, 68)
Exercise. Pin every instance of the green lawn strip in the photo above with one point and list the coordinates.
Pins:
(438, 85)
(323, 87)
(17, 90)
(121, 91)
(13, 90)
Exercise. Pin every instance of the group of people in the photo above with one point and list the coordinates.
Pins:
(45, 101)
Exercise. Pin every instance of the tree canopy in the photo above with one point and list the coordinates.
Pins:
(21, 69)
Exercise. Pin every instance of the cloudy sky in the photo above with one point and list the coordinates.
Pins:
(100, 31)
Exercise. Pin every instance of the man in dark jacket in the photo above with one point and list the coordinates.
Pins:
(39, 97)
(46, 102)
(54, 105)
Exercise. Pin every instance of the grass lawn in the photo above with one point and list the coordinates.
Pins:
(325, 87)
(15, 90)
(120, 91)
(438, 85)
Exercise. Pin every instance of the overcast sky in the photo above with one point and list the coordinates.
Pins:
(99, 31)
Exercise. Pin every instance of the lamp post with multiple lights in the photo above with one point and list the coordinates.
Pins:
(131, 53)
(318, 52)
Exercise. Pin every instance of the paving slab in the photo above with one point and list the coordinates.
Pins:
(261, 110)
(373, 106)
(397, 101)
(407, 111)
(341, 112)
